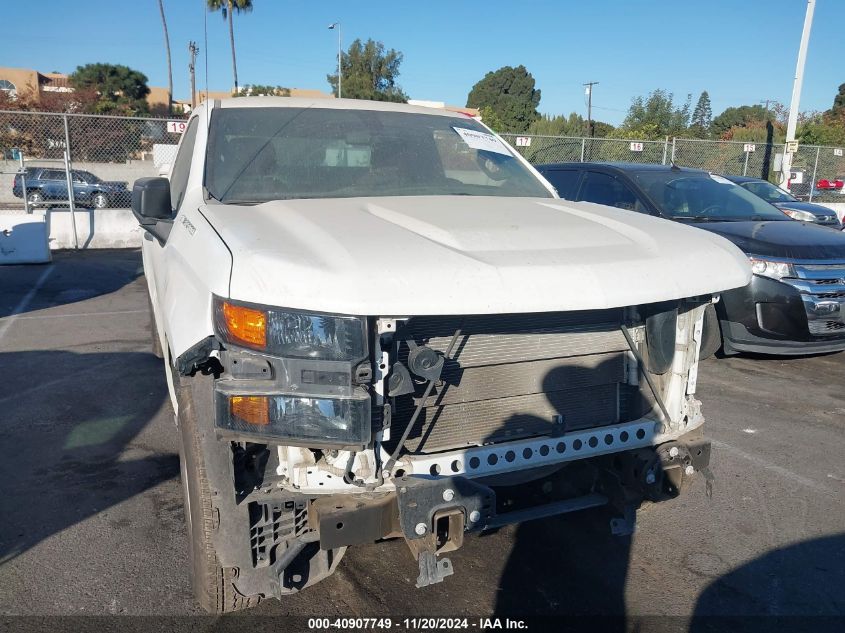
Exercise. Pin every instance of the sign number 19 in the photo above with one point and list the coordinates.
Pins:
(176, 127)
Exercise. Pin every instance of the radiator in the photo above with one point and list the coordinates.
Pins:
(513, 377)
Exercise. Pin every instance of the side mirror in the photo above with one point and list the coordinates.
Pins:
(151, 206)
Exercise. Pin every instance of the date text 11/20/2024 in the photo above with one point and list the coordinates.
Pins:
(416, 624)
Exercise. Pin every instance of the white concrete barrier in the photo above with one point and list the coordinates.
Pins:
(23, 239)
(101, 228)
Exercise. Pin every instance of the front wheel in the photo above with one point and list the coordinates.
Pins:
(213, 584)
(35, 198)
(99, 200)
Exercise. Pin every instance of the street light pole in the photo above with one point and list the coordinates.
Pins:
(332, 27)
(786, 164)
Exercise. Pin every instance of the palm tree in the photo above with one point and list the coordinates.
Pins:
(228, 7)
(169, 65)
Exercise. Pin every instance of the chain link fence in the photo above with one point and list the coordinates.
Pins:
(106, 155)
(818, 171)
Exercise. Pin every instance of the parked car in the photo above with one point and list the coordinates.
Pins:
(380, 322)
(45, 185)
(789, 204)
(795, 303)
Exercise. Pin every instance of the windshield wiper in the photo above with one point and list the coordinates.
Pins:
(693, 218)
(247, 203)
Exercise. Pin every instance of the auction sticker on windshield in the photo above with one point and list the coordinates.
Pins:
(482, 141)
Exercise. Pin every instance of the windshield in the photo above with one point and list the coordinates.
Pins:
(768, 191)
(704, 197)
(261, 154)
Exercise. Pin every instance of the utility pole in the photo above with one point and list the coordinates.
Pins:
(193, 49)
(589, 92)
(786, 166)
(770, 134)
(332, 27)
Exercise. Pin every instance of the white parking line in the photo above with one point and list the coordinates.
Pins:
(768, 465)
(20, 395)
(24, 303)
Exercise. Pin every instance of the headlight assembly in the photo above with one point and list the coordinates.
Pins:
(291, 333)
(771, 269)
(804, 216)
(304, 394)
(297, 420)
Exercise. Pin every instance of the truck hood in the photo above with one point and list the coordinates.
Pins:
(787, 239)
(422, 255)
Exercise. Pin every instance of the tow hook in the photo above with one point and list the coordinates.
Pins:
(679, 462)
(434, 514)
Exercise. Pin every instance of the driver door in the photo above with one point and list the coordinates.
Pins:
(152, 249)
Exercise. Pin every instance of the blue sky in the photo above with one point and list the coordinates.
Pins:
(741, 51)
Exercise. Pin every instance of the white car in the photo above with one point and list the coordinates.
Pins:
(377, 318)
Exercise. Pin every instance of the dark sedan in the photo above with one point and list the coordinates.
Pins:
(789, 204)
(795, 303)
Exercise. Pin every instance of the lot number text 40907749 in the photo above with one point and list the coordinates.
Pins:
(417, 624)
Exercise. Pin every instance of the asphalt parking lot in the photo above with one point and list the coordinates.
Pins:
(91, 503)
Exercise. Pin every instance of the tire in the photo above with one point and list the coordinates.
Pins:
(212, 584)
(99, 200)
(155, 341)
(35, 198)
(711, 333)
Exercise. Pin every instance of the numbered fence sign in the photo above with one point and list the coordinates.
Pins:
(176, 127)
(791, 147)
(523, 141)
(837, 152)
(749, 147)
(636, 147)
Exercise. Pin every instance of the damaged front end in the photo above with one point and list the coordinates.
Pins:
(346, 430)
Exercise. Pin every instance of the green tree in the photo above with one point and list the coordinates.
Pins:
(702, 117)
(228, 8)
(741, 116)
(491, 119)
(255, 90)
(822, 130)
(572, 125)
(655, 117)
(169, 65)
(602, 129)
(510, 93)
(838, 108)
(370, 72)
(119, 89)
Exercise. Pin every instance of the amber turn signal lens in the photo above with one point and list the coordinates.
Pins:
(246, 325)
(251, 409)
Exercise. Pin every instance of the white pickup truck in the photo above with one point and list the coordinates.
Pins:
(378, 321)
